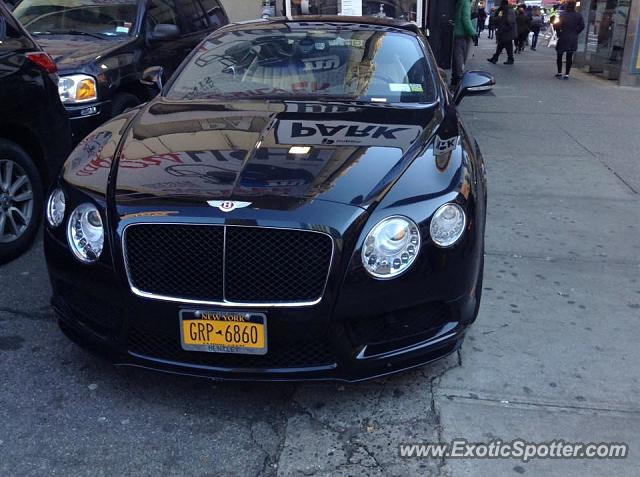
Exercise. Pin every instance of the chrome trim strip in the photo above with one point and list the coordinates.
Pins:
(224, 263)
(224, 303)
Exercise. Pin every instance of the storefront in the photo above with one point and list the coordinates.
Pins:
(435, 16)
(409, 10)
(609, 45)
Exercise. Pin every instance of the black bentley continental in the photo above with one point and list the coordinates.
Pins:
(301, 201)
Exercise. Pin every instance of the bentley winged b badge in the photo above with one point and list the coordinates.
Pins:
(227, 205)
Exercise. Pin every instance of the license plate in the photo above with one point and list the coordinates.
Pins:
(223, 331)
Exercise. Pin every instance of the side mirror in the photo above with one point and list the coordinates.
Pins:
(474, 82)
(164, 32)
(152, 76)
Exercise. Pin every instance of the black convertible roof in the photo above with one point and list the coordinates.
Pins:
(364, 20)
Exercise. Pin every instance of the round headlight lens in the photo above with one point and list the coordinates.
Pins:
(391, 247)
(55, 208)
(85, 233)
(447, 225)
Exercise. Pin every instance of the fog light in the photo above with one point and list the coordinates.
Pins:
(89, 111)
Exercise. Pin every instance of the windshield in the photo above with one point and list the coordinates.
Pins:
(112, 18)
(313, 62)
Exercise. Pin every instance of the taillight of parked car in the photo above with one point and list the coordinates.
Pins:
(44, 61)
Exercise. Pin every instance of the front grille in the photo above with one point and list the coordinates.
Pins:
(249, 265)
(275, 265)
(163, 345)
(418, 321)
(181, 261)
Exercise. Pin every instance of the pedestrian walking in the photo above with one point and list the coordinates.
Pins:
(505, 32)
(492, 23)
(482, 19)
(524, 27)
(552, 34)
(536, 25)
(568, 28)
(464, 33)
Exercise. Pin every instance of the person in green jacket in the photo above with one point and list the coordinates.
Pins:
(463, 33)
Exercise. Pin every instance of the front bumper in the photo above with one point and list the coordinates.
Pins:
(311, 343)
(346, 365)
(84, 118)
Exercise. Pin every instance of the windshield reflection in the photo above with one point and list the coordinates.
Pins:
(78, 17)
(350, 63)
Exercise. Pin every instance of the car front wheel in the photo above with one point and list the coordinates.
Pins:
(123, 101)
(21, 198)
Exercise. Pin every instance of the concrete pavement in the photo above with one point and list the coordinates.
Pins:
(554, 354)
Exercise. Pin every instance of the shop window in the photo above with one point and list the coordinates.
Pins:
(397, 9)
(607, 30)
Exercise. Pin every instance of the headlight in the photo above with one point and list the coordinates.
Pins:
(447, 225)
(391, 247)
(55, 208)
(85, 233)
(77, 89)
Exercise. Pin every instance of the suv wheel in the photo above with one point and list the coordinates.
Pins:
(20, 200)
(123, 101)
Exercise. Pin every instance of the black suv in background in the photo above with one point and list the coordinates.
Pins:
(34, 134)
(102, 47)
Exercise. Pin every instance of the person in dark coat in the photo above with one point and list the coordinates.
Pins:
(505, 32)
(568, 28)
(492, 23)
(482, 19)
(524, 27)
(536, 25)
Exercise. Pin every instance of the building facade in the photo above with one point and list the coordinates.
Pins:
(242, 10)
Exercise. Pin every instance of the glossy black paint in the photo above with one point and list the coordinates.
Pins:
(117, 64)
(31, 114)
(163, 161)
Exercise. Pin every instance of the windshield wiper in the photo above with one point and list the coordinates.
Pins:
(76, 32)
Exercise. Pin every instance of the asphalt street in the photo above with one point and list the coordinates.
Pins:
(553, 355)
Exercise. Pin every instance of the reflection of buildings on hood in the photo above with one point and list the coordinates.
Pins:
(212, 150)
(89, 164)
(220, 154)
(195, 152)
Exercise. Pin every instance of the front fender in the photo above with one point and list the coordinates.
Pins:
(437, 275)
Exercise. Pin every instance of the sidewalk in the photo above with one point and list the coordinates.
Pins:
(554, 354)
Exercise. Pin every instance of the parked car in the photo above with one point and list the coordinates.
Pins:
(34, 135)
(102, 47)
(11, 4)
(302, 201)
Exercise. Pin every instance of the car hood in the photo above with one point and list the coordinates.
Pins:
(269, 151)
(71, 51)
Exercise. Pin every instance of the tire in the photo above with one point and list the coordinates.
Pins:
(20, 217)
(123, 101)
